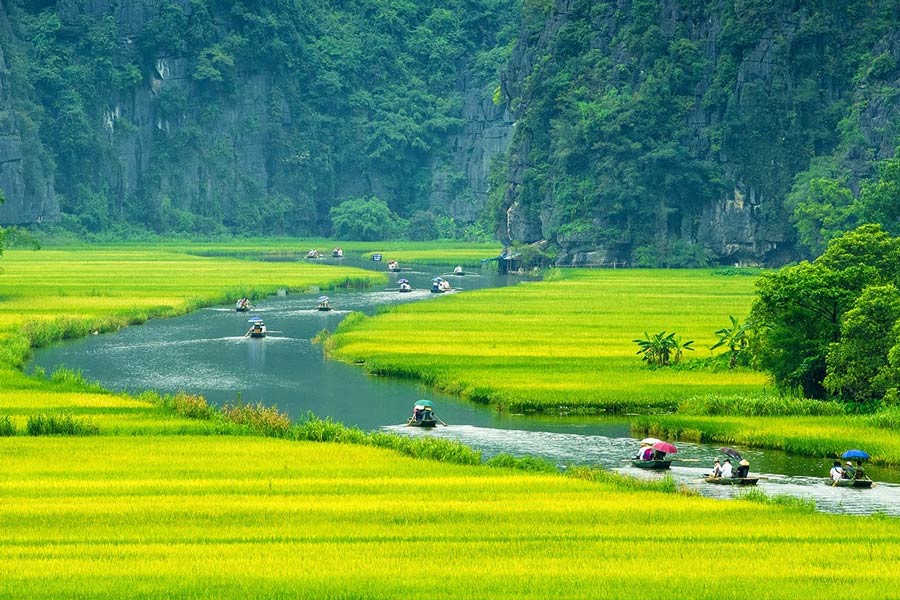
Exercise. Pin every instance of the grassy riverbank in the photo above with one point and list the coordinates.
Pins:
(558, 346)
(149, 503)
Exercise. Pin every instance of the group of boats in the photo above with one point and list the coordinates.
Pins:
(653, 455)
(258, 327)
(314, 254)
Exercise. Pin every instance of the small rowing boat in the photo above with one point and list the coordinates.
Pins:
(731, 480)
(853, 483)
(652, 464)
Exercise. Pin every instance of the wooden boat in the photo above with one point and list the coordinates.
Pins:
(244, 308)
(652, 464)
(258, 332)
(854, 483)
(732, 480)
(423, 422)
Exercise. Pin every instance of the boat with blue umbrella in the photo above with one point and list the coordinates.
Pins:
(854, 477)
(324, 303)
(257, 328)
(405, 286)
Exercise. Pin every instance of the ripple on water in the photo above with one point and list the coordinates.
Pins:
(566, 449)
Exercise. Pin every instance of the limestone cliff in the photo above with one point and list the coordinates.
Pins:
(735, 99)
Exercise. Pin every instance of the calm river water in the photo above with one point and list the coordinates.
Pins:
(206, 353)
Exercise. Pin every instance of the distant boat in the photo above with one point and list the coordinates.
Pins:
(423, 415)
(393, 265)
(404, 286)
(324, 303)
(257, 328)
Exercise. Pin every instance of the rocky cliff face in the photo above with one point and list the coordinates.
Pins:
(25, 179)
(760, 86)
(176, 152)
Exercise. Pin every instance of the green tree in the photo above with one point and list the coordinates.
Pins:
(735, 339)
(823, 209)
(662, 349)
(798, 310)
(366, 219)
(880, 198)
(857, 365)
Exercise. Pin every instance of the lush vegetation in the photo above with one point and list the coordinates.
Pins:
(163, 495)
(633, 119)
(832, 327)
(283, 110)
(562, 345)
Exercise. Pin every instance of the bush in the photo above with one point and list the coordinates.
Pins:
(60, 425)
(7, 429)
(523, 463)
(265, 420)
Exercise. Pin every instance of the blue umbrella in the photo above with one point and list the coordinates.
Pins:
(254, 320)
(857, 454)
(323, 298)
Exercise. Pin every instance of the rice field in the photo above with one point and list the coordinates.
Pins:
(559, 346)
(157, 505)
(56, 294)
(225, 517)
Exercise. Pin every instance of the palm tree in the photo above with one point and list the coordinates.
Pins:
(735, 338)
(662, 349)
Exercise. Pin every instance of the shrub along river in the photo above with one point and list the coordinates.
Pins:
(207, 353)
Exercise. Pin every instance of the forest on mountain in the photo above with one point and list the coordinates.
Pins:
(674, 133)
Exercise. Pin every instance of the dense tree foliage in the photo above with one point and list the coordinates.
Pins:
(366, 219)
(830, 326)
(343, 98)
(637, 117)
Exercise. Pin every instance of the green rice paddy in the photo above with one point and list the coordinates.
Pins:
(157, 505)
(183, 516)
(559, 346)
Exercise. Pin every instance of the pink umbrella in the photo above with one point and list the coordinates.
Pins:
(665, 447)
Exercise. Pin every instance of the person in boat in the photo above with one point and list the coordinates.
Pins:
(242, 304)
(645, 452)
(726, 469)
(849, 471)
(859, 472)
(458, 270)
(717, 468)
(417, 412)
(743, 469)
(444, 285)
(836, 473)
(393, 265)
(337, 253)
(312, 254)
(659, 455)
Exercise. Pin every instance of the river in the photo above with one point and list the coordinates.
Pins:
(207, 353)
